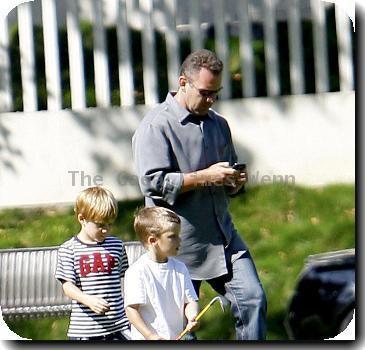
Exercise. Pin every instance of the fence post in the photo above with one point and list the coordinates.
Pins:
(172, 44)
(246, 50)
(195, 29)
(101, 72)
(320, 46)
(51, 55)
(76, 57)
(271, 48)
(126, 84)
(27, 60)
(295, 48)
(6, 103)
(221, 45)
(344, 50)
(148, 52)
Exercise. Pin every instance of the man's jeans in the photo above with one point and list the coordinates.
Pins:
(242, 287)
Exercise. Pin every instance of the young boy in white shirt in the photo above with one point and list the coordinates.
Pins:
(159, 296)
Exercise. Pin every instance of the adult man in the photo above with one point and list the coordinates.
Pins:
(183, 153)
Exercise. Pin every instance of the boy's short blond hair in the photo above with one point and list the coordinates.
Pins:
(154, 221)
(97, 204)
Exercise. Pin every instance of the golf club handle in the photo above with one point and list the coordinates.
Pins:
(182, 334)
(200, 314)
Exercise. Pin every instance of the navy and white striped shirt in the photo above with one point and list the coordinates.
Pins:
(96, 269)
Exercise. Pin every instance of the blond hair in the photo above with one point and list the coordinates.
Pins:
(97, 204)
(154, 221)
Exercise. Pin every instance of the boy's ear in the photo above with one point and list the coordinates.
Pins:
(80, 218)
(152, 240)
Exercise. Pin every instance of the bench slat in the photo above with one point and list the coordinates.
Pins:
(28, 287)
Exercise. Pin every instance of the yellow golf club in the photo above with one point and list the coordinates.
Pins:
(222, 302)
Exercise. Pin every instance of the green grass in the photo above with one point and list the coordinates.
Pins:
(282, 225)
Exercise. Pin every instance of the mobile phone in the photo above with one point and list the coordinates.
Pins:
(239, 166)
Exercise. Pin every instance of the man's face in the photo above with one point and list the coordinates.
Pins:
(201, 91)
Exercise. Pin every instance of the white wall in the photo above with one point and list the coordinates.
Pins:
(309, 137)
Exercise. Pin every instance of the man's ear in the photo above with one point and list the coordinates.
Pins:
(182, 82)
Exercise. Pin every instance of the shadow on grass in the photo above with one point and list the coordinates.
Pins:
(275, 326)
(217, 327)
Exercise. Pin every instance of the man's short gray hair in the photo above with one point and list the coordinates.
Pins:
(201, 59)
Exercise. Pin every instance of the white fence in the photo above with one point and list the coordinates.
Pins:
(161, 15)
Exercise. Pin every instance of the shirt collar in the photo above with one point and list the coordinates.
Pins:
(180, 112)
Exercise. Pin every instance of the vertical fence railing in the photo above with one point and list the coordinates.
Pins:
(51, 55)
(172, 44)
(75, 56)
(151, 16)
(344, 51)
(101, 72)
(125, 70)
(295, 49)
(195, 30)
(150, 85)
(246, 51)
(5, 87)
(27, 57)
(222, 44)
(320, 47)
(271, 49)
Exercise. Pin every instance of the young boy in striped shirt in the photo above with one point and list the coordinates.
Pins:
(90, 266)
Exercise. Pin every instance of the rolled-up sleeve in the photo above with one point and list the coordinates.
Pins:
(152, 153)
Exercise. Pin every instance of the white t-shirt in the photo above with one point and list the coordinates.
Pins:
(161, 290)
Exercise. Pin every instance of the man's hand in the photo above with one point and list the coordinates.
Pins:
(219, 174)
(97, 304)
(240, 180)
(241, 177)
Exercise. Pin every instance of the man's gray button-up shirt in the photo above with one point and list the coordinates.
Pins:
(169, 142)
